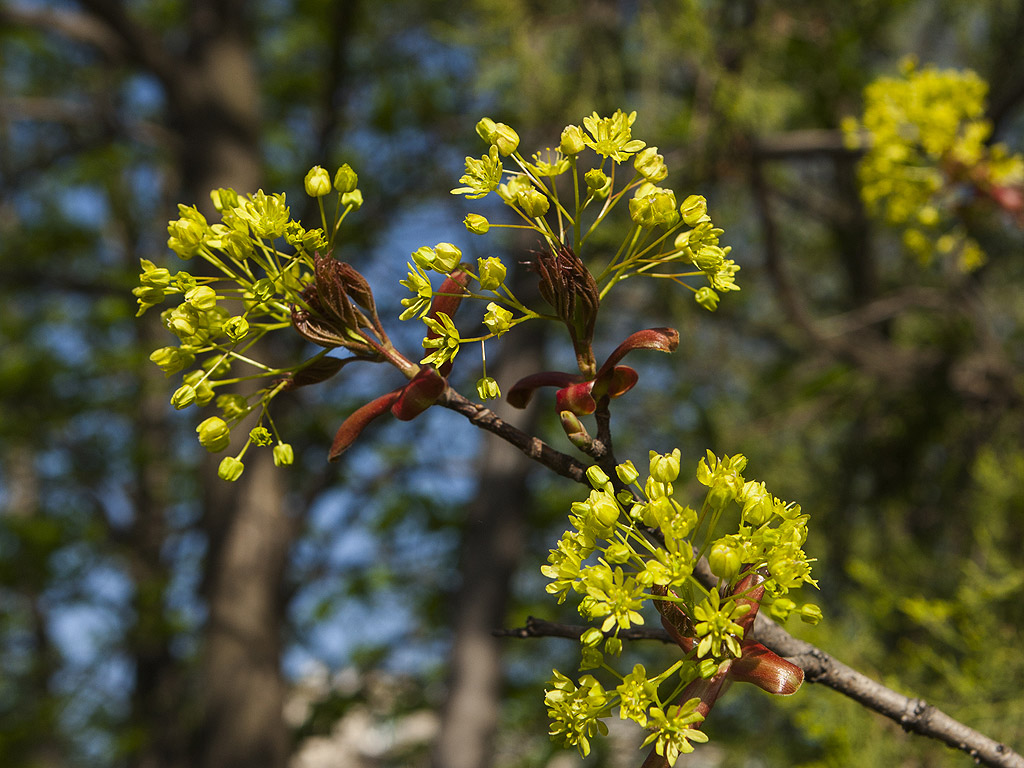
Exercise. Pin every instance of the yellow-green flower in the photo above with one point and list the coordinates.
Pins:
(611, 136)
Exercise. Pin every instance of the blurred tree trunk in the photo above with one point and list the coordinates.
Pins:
(249, 534)
(213, 99)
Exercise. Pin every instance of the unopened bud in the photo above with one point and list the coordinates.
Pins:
(476, 224)
(572, 141)
(346, 180)
(230, 469)
(317, 182)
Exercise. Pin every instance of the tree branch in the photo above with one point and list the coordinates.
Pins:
(914, 715)
(533, 447)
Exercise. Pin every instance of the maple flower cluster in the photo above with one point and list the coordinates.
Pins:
(563, 196)
(927, 154)
(636, 543)
(259, 267)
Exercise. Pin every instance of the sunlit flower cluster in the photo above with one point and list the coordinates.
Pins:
(633, 542)
(556, 195)
(260, 265)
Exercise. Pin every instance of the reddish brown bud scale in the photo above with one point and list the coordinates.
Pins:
(357, 421)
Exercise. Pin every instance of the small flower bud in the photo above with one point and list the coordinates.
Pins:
(596, 179)
(153, 276)
(182, 321)
(708, 258)
(572, 141)
(486, 128)
(204, 392)
(232, 406)
(491, 272)
(694, 210)
(424, 257)
(534, 203)
(606, 510)
(758, 504)
(283, 455)
(230, 469)
(598, 479)
(592, 637)
(653, 206)
(782, 607)
(224, 199)
(707, 668)
(613, 645)
(627, 472)
(202, 298)
(724, 560)
(650, 164)
(487, 388)
(236, 328)
(810, 613)
(346, 180)
(183, 396)
(476, 223)
(171, 359)
(185, 236)
(353, 199)
(446, 257)
(505, 139)
(317, 182)
(707, 298)
(497, 319)
(263, 289)
(214, 434)
(617, 553)
(665, 467)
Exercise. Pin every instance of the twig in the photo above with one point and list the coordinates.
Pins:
(541, 628)
(534, 447)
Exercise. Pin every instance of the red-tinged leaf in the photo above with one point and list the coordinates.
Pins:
(351, 428)
(420, 393)
(616, 382)
(576, 398)
(767, 670)
(521, 392)
(707, 691)
(675, 621)
(658, 339)
(684, 642)
(754, 582)
(448, 297)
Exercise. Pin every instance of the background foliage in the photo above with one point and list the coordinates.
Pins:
(884, 396)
